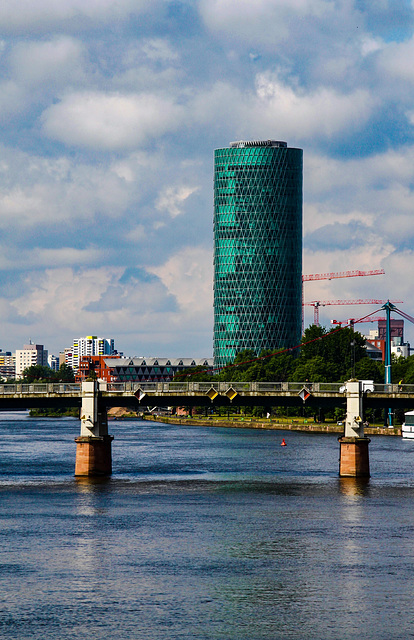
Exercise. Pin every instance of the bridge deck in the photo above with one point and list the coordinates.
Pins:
(202, 393)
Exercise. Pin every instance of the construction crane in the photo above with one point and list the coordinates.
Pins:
(342, 274)
(352, 321)
(331, 276)
(322, 303)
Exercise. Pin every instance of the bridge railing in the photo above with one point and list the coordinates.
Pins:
(67, 388)
(42, 388)
(394, 388)
(221, 387)
(124, 387)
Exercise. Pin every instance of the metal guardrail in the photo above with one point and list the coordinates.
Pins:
(222, 387)
(171, 388)
(393, 388)
(43, 388)
(253, 387)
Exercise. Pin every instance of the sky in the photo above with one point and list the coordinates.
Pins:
(109, 116)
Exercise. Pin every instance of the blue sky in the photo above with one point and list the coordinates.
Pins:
(109, 115)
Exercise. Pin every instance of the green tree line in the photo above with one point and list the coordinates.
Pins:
(39, 373)
(333, 355)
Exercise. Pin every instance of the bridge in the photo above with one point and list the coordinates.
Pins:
(117, 394)
(93, 456)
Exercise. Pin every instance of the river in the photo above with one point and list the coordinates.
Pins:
(203, 534)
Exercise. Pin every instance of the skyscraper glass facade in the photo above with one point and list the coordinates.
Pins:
(257, 248)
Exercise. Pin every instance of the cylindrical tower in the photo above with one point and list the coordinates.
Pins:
(257, 248)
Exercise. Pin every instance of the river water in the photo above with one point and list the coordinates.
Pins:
(203, 534)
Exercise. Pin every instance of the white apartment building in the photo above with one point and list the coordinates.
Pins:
(88, 346)
(7, 364)
(53, 362)
(30, 355)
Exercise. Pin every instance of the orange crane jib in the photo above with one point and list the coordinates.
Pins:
(322, 303)
(341, 274)
(355, 320)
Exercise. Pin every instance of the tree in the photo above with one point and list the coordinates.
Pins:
(406, 374)
(37, 373)
(368, 369)
(314, 369)
(340, 349)
(65, 374)
(242, 363)
(195, 374)
(278, 367)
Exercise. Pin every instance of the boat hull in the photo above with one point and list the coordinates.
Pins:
(407, 431)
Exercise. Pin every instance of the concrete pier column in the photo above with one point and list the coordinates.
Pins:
(93, 446)
(353, 446)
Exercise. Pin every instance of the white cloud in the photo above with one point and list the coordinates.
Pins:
(59, 60)
(377, 182)
(371, 256)
(159, 49)
(137, 234)
(267, 22)
(77, 302)
(62, 294)
(36, 191)
(20, 15)
(395, 61)
(188, 277)
(65, 256)
(288, 109)
(322, 112)
(110, 121)
(171, 199)
(370, 45)
(13, 99)
(374, 196)
(317, 215)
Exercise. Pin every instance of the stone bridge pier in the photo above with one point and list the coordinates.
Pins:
(93, 446)
(353, 446)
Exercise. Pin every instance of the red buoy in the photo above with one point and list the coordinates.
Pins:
(283, 443)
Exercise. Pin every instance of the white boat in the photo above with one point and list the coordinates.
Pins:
(407, 429)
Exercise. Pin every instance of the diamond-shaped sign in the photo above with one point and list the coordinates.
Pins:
(140, 394)
(304, 394)
(231, 393)
(212, 393)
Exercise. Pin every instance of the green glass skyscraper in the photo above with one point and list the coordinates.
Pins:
(257, 248)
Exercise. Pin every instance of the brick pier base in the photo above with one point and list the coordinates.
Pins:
(354, 457)
(93, 456)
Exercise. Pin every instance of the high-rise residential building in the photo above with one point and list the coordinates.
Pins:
(88, 346)
(257, 248)
(7, 364)
(53, 362)
(31, 355)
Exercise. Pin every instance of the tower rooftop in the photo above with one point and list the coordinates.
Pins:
(241, 144)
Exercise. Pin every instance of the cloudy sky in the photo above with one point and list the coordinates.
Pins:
(109, 115)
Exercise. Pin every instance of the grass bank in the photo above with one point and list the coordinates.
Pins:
(298, 424)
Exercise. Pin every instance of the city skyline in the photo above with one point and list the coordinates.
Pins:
(110, 114)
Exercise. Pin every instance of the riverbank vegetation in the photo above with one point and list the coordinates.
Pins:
(71, 412)
(324, 356)
(334, 355)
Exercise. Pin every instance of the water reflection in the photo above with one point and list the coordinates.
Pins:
(353, 487)
(89, 557)
(352, 564)
(87, 484)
